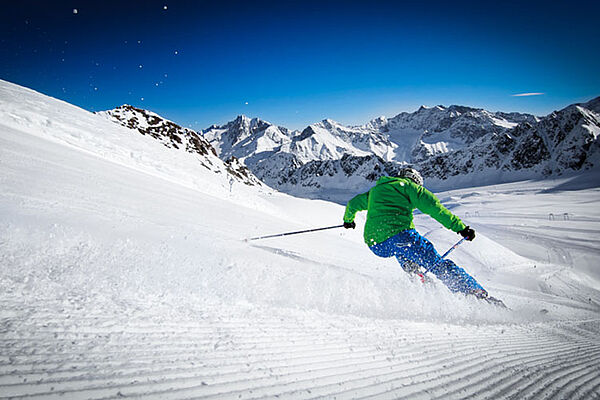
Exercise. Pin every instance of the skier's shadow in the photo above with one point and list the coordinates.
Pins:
(295, 256)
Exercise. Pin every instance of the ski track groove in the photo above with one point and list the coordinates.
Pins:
(277, 358)
(493, 377)
(510, 384)
(561, 379)
(368, 358)
(101, 358)
(222, 373)
(433, 362)
(271, 390)
(105, 351)
(590, 372)
(590, 390)
(460, 367)
(528, 387)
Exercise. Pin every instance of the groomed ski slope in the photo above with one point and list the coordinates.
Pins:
(123, 273)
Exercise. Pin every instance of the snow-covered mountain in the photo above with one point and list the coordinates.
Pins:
(176, 137)
(329, 140)
(245, 137)
(443, 142)
(408, 137)
(565, 141)
(445, 129)
(274, 153)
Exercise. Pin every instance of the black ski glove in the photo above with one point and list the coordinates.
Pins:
(349, 225)
(467, 233)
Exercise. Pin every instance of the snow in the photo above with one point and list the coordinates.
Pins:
(124, 273)
(592, 128)
(323, 145)
(437, 147)
(503, 123)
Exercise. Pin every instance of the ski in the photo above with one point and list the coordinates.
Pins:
(496, 302)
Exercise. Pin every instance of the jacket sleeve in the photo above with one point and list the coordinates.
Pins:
(357, 203)
(429, 204)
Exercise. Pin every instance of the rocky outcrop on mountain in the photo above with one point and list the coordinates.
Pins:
(238, 170)
(275, 169)
(179, 138)
(167, 132)
(570, 135)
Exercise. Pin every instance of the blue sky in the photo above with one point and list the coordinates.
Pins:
(296, 62)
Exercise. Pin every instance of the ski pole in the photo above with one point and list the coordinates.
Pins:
(454, 247)
(441, 260)
(293, 233)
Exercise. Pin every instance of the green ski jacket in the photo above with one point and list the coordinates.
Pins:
(390, 204)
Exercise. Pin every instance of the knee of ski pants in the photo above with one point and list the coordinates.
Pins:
(456, 278)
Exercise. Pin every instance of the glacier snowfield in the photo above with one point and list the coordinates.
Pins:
(124, 273)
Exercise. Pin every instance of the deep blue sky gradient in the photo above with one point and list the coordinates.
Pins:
(297, 62)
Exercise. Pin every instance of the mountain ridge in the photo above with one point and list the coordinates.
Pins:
(443, 142)
(453, 145)
(179, 138)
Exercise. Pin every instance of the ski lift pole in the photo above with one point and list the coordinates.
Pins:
(293, 233)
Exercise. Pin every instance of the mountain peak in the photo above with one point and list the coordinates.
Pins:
(126, 106)
(242, 119)
(428, 108)
(245, 121)
(328, 122)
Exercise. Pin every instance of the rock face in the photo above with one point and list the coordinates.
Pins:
(179, 138)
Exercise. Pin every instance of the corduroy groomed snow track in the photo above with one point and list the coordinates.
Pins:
(234, 353)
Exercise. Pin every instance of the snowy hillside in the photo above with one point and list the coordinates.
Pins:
(174, 136)
(123, 273)
(196, 164)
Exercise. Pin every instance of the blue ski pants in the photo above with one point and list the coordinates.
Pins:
(410, 245)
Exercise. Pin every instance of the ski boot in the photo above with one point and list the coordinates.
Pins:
(482, 294)
(416, 270)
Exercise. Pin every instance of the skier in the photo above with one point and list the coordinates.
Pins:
(390, 231)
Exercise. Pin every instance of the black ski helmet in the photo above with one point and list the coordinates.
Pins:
(411, 174)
